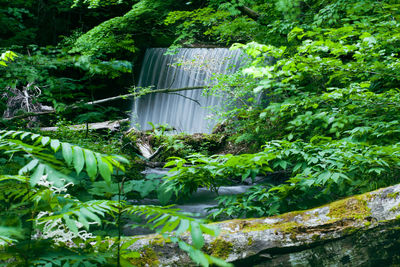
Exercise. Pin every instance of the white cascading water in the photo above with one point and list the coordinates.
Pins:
(190, 67)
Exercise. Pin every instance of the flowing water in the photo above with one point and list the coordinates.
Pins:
(185, 111)
(197, 205)
(203, 198)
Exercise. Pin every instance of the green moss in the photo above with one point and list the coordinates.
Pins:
(289, 227)
(367, 224)
(148, 257)
(395, 208)
(393, 195)
(351, 208)
(316, 237)
(219, 248)
(160, 241)
(286, 223)
(257, 227)
(250, 241)
(291, 224)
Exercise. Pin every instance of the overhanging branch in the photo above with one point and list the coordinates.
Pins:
(132, 95)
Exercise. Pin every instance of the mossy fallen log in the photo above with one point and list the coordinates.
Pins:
(361, 230)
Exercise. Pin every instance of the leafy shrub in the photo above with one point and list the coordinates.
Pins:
(39, 208)
(333, 111)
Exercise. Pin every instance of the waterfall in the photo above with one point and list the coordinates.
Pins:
(186, 111)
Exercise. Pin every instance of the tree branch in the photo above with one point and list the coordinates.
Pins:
(194, 100)
(249, 12)
(132, 95)
(165, 90)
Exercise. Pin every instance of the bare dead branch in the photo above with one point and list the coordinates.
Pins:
(126, 96)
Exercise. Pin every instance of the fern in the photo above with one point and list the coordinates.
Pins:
(39, 198)
(167, 219)
(41, 149)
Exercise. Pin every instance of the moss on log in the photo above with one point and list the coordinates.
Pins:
(362, 230)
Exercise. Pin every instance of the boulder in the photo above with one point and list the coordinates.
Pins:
(362, 230)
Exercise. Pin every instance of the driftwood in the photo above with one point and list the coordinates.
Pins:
(24, 99)
(142, 143)
(111, 125)
(362, 230)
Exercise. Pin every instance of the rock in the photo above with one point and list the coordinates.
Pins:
(362, 230)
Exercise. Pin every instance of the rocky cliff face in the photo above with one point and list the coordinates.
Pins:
(362, 230)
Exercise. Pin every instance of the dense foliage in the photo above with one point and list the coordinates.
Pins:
(328, 111)
(40, 207)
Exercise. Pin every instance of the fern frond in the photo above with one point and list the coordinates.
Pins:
(43, 149)
(167, 219)
(86, 213)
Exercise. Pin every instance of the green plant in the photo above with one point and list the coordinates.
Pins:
(315, 173)
(187, 175)
(40, 199)
(328, 126)
(7, 56)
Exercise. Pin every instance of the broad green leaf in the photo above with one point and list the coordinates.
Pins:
(105, 168)
(35, 177)
(121, 159)
(82, 220)
(88, 214)
(219, 262)
(45, 140)
(147, 186)
(183, 227)
(210, 229)
(35, 136)
(24, 135)
(70, 223)
(91, 163)
(67, 152)
(323, 177)
(55, 145)
(199, 257)
(78, 159)
(197, 235)
(171, 224)
(28, 167)
(163, 195)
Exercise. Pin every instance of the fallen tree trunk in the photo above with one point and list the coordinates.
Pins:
(362, 230)
(111, 125)
(133, 95)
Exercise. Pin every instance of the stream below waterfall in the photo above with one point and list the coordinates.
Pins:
(203, 198)
(199, 202)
